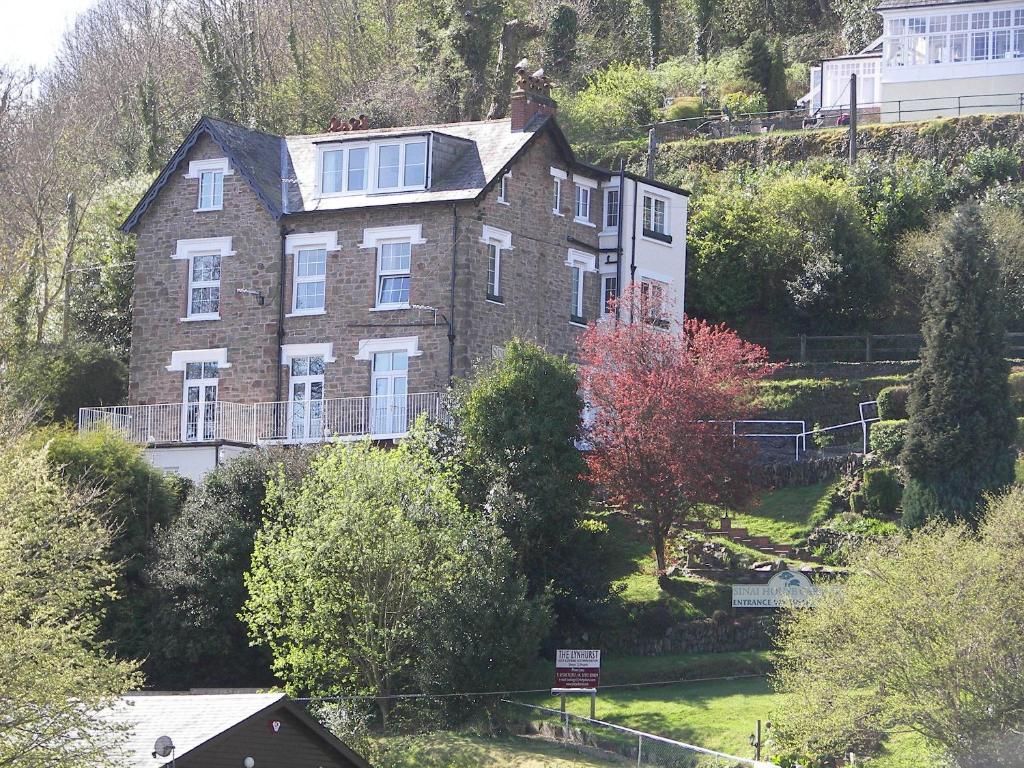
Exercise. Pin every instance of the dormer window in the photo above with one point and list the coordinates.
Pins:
(392, 165)
(210, 174)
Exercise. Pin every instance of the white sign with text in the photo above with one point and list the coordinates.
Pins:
(784, 588)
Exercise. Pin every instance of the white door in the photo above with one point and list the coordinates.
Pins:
(306, 398)
(199, 403)
(390, 386)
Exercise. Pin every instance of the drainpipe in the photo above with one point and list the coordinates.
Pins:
(451, 303)
(279, 388)
(632, 255)
(618, 238)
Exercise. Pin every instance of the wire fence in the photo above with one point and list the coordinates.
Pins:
(618, 745)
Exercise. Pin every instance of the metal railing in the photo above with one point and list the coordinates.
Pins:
(645, 750)
(868, 411)
(855, 348)
(377, 417)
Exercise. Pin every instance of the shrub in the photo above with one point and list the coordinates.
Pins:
(882, 491)
(683, 107)
(858, 503)
(887, 438)
(742, 103)
(1017, 391)
(615, 103)
(892, 402)
(1020, 433)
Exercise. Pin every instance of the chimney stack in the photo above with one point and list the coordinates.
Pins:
(531, 97)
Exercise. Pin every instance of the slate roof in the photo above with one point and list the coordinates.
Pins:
(189, 719)
(889, 5)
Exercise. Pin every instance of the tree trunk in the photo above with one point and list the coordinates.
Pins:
(513, 34)
(658, 539)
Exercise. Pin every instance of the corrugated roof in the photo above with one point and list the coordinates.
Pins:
(189, 719)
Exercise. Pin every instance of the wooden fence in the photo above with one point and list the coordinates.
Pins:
(858, 348)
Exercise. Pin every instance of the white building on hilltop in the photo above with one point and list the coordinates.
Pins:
(936, 58)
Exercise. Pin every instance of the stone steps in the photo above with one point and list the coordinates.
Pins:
(742, 536)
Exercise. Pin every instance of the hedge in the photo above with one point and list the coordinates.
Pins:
(886, 439)
(882, 491)
(892, 402)
(824, 401)
(1017, 391)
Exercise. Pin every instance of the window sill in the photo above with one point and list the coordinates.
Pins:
(585, 222)
(198, 318)
(557, 213)
(658, 237)
(580, 322)
(208, 210)
(503, 202)
(307, 313)
(608, 232)
(491, 298)
(389, 307)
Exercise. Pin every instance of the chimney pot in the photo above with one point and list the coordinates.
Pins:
(531, 97)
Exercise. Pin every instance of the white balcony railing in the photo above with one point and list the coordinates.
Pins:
(380, 417)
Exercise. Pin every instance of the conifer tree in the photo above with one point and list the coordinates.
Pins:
(962, 422)
(756, 64)
(778, 93)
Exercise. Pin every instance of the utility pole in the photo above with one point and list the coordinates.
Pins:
(853, 118)
(652, 149)
(68, 252)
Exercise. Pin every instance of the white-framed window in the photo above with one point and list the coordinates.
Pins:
(204, 257)
(204, 286)
(495, 241)
(306, 397)
(655, 216)
(309, 289)
(200, 369)
(309, 270)
(503, 188)
(955, 37)
(582, 203)
(386, 165)
(394, 268)
(389, 383)
(611, 208)
(579, 263)
(210, 174)
(609, 292)
(652, 297)
(557, 177)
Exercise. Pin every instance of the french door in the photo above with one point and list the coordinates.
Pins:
(306, 398)
(389, 385)
(199, 403)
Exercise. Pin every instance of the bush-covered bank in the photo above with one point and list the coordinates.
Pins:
(947, 140)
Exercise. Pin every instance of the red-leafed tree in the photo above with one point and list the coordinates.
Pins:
(663, 397)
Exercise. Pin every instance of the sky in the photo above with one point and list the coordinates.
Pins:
(31, 30)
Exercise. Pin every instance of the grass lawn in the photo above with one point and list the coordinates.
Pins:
(719, 714)
(450, 750)
(785, 514)
(621, 670)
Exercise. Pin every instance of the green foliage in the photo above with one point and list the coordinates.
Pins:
(961, 423)
(823, 400)
(984, 167)
(362, 568)
(55, 583)
(778, 87)
(892, 402)
(518, 421)
(882, 491)
(919, 620)
(135, 498)
(684, 107)
(744, 103)
(614, 105)
(887, 437)
(858, 502)
(757, 63)
(196, 574)
(58, 381)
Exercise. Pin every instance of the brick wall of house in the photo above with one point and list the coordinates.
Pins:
(536, 284)
(535, 281)
(159, 301)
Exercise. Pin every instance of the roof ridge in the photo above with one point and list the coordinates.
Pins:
(420, 127)
(215, 119)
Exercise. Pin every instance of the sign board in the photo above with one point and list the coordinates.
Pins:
(784, 588)
(577, 669)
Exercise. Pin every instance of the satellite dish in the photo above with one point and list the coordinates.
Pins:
(163, 747)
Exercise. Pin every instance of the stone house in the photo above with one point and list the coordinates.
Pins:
(297, 288)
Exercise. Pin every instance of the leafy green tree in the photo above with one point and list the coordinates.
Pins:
(55, 583)
(614, 104)
(962, 426)
(757, 63)
(135, 498)
(518, 421)
(362, 566)
(57, 381)
(196, 574)
(914, 640)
